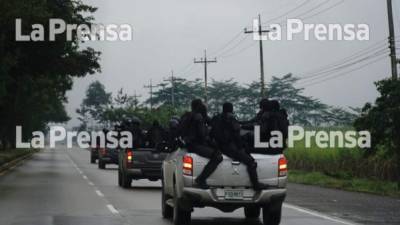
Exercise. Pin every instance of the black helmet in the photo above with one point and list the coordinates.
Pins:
(274, 105)
(196, 104)
(264, 104)
(227, 107)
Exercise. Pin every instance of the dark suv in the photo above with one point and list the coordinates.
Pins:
(108, 156)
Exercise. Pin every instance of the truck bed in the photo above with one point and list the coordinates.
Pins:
(234, 174)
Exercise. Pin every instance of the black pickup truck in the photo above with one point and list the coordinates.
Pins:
(107, 156)
(140, 163)
(94, 154)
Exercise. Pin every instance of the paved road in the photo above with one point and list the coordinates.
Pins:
(60, 187)
(362, 208)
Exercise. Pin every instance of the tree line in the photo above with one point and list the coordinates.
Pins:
(35, 76)
(303, 110)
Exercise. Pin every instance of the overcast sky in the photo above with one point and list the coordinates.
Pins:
(168, 34)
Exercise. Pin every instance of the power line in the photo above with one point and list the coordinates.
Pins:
(315, 14)
(172, 80)
(220, 52)
(370, 48)
(260, 33)
(324, 10)
(235, 46)
(346, 66)
(150, 87)
(135, 99)
(288, 12)
(236, 36)
(344, 73)
(185, 68)
(226, 55)
(253, 43)
(205, 62)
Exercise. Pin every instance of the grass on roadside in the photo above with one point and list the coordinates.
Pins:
(9, 155)
(349, 184)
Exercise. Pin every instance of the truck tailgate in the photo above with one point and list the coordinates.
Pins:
(148, 158)
(234, 174)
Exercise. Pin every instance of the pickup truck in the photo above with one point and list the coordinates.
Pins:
(230, 187)
(94, 154)
(139, 163)
(107, 156)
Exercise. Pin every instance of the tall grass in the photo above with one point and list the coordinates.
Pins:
(340, 162)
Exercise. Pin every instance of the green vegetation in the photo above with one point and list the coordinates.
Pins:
(35, 76)
(341, 163)
(100, 107)
(382, 119)
(374, 170)
(303, 110)
(372, 186)
(341, 168)
(10, 155)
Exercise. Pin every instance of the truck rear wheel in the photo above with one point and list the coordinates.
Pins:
(181, 217)
(102, 165)
(126, 181)
(167, 211)
(119, 177)
(272, 214)
(252, 212)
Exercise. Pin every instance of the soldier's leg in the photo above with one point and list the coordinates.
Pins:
(215, 159)
(242, 156)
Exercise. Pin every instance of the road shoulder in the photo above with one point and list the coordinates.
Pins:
(9, 161)
(358, 207)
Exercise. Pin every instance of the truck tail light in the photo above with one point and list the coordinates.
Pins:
(283, 169)
(187, 165)
(102, 151)
(129, 158)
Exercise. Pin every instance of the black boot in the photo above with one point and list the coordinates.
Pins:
(207, 171)
(252, 169)
(202, 184)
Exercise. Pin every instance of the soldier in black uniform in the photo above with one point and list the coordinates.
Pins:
(195, 135)
(226, 132)
(155, 135)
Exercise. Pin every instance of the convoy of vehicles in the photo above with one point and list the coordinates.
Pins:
(230, 185)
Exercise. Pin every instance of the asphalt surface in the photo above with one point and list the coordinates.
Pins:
(361, 208)
(60, 187)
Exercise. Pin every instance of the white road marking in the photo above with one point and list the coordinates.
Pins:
(99, 193)
(112, 209)
(316, 214)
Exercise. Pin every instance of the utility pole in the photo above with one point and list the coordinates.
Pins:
(258, 29)
(135, 99)
(205, 61)
(150, 87)
(392, 42)
(172, 80)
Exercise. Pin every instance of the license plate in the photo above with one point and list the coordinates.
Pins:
(156, 156)
(234, 194)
